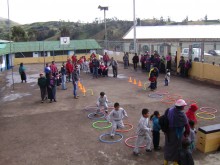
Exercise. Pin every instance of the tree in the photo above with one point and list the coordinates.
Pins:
(168, 19)
(64, 31)
(18, 34)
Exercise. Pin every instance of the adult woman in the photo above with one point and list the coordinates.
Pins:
(22, 73)
(173, 138)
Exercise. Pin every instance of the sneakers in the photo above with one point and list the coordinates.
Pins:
(112, 136)
(148, 150)
(106, 111)
(75, 97)
(42, 101)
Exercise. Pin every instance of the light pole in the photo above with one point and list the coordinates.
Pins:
(134, 19)
(104, 8)
(9, 34)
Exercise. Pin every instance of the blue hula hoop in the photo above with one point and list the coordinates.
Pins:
(92, 115)
(110, 142)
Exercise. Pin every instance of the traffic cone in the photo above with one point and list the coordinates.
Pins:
(135, 82)
(79, 84)
(130, 80)
(81, 87)
(139, 83)
(84, 91)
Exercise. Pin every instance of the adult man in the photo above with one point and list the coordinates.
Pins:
(135, 60)
(95, 64)
(173, 137)
(114, 65)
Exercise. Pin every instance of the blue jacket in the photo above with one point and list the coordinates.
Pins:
(156, 126)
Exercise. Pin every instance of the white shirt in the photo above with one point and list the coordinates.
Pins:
(117, 115)
(102, 100)
(143, 126)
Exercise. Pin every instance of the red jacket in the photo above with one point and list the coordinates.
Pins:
(74, 59)
(69, 67)
(105, 57)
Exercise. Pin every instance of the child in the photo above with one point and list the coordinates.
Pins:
(167, 77)
(42, 82)
(143, 133)
(192, 136)
(185, 157)
(156, 130)
(115, 117)
(75, 79)
(191, 113)
(102, 101)
(152, 83)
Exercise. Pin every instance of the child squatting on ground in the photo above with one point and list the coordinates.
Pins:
(102, 101)
(115, 117)
(156, 130)
(143, 133)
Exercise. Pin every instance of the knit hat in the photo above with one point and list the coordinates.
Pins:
(193, 107)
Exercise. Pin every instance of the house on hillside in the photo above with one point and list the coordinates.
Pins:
(168, 38)
(10, 50)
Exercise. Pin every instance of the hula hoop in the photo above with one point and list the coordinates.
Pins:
(90, 108)
(206, 118)
(132, 146)
(126, 130)
(155, 95)
(97, 127)
(174, 96)
(168, 100)
(162, 92)
(205, 111)
(92, 115)
(190, 102)
(109, 142)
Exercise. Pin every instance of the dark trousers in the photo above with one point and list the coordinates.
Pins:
(43, 91)
(135, 66)
(166, 82)
(156, 138)
(115, 71)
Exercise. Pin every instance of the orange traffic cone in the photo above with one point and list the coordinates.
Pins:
(84, 91)
(79, 84)
(130, 80)
(81, 87)
(139, 83)
(135, 82)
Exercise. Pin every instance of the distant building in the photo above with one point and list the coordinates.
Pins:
(11, 50)
(167, 38)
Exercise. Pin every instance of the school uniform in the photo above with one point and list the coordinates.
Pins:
(102, 101)
(143, 134)
(115, 117)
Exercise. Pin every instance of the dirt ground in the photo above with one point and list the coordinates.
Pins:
(35, 133)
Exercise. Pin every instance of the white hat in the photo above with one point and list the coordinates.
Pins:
(180, 103)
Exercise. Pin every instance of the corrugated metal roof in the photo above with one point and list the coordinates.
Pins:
(48, 46)
(174, 32)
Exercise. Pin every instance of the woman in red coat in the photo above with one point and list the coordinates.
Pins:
(69, 69)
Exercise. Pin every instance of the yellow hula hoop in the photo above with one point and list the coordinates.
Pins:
(206, 118)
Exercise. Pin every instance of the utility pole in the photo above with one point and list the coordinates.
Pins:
(134, 19)
(9, 34)
(104, 8)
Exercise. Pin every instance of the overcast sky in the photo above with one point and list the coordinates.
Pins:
(29, 11)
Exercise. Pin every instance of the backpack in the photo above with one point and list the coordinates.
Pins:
(164, 122)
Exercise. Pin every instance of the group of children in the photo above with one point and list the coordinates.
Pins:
(144, 128)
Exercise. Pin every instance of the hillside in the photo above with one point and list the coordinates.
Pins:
(53, 30)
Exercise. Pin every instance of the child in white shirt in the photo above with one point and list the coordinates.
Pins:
(115, 117)
(102, 101)
(143, 133)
